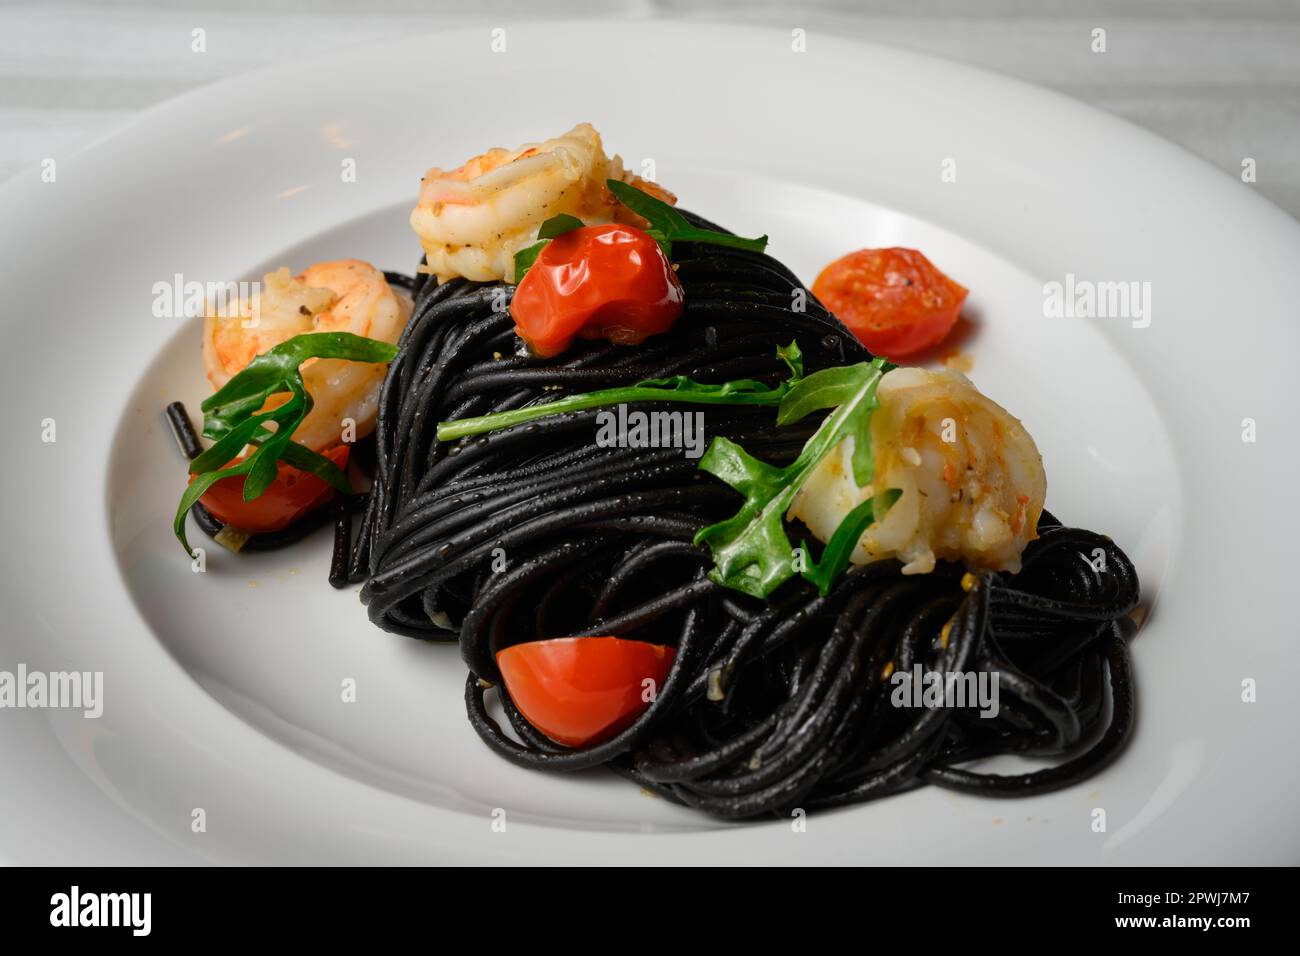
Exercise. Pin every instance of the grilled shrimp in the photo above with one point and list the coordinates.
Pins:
(971, 478)
(342, 296)
(472, 220)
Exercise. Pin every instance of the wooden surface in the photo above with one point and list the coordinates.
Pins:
(1220, 77)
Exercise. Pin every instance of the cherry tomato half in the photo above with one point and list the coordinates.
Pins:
(292, 495)
(598, 282)
(893, 300)
(582, 690)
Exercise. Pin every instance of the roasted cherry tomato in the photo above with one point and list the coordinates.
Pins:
(597, 282)
(893, 300)
(582, 690)
(291, 496)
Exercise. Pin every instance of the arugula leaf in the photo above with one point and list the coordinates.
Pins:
(555, 226)
(232, 417)
(277, 368)
(838, 551)
(525, 258)
(678, 388)
(826, 389)
(750, 550)
(304, 459)
(558, 226)
(667, 225)
(196, 490)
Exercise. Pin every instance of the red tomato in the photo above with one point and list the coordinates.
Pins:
(582, 690)
(893, 300)
(598, 282)
(291, 496)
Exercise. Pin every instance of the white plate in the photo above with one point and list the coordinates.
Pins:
(222, 690)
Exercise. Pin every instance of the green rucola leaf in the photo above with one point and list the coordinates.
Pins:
(219, 424)
(839, 550)
(749, 553)
(862, 459)
(558, 226)
(260, 476)
(792, 356)
(726, 460)
(304, 459)
(233, 417)
(555, 226)
(667, 225)
(274, 369)
(194, 491)
(232, 443)
(659, 214)
(745, 562)
(825, 389)
(684, 385)
(525, 258)
(264, 470)
(678, 388)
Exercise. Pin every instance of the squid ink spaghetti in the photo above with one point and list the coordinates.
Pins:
(770, 705)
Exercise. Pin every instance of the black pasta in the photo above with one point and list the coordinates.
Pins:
(770, 705)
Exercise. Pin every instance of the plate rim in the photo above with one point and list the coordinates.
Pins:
(148, 120)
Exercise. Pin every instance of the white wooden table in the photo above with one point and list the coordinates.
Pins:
(1220, 77)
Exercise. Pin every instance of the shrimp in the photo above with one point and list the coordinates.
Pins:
(342, 296)
(971, 478)
(472, 220)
